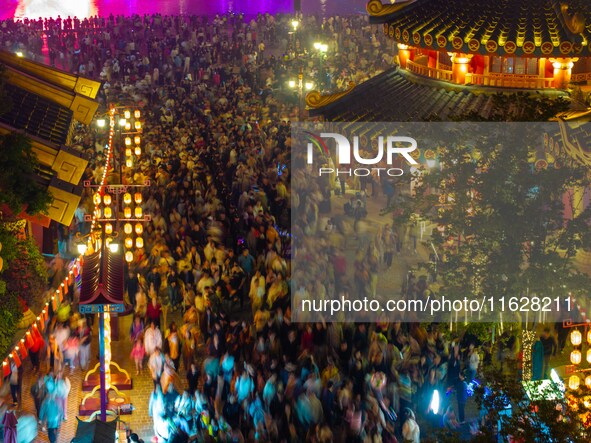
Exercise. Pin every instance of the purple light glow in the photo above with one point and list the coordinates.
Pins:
(86, 8)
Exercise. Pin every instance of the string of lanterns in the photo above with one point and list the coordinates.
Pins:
(102, 208)
(576, 357)
(34, 333)
(132, 210)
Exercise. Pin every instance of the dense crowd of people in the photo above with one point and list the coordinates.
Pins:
(216, 150)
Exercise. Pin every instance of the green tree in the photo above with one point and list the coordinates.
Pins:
(502, 222)
(547, 413)
(18, 187)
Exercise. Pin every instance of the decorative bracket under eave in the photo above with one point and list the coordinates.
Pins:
(315, 100)
(376, 8)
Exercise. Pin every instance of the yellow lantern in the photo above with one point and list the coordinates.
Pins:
(98, 212)
(107, 199)
(138, 151)
(589, 355)
(108, 212)
(122, 122)
(139, 242)
(127, 114)
(575, 357)
(127, 212)
(576, 337)
(137, 113)
(128, 152)
(138, 197)
(108, 229)
(137, 140)
(138, 212)
(574, 382)
(127, 141)
(588, 381)
(129, 256)
(129, 162)
(127, 198)
(589, 337)
(129, 242)
(139, 229)
(127, 228)
(128, 126)
(138, 125)
(97, 198)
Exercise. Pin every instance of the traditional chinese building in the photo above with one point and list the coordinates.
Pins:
(45, 104)
(452, 55)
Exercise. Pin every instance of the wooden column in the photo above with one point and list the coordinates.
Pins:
(562, 71)
(459, 66)
(403, 54)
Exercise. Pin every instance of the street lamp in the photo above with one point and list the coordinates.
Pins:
(322, 48)
(300, 85)
(294, 25)
(113, 207)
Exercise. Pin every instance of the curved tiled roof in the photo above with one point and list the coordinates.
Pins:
(541, 28)
(379, 99)
(399, 96)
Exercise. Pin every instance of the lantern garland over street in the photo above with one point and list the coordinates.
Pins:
(35, 332)
(113, 204)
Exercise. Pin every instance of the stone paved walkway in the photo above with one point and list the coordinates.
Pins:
(139, 421)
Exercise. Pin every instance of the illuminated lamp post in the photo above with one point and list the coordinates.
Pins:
(322, 49)
(113, 203)
(299, 85)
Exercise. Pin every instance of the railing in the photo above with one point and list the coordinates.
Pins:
(426, 71)
(583, 77)
(524, 81)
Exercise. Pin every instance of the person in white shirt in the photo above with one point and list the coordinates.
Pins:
(152, 339)
(410, 429)
(473, 362)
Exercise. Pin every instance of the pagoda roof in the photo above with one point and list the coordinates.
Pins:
(537, 28)
(380, 99)
(102, 278)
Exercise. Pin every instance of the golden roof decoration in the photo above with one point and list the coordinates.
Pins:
(534, 28)
(575, 22)
(376, 8)
(316, 100)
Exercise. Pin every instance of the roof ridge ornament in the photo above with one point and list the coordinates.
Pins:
(315, 100)
(376, 8)
(575, 22)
